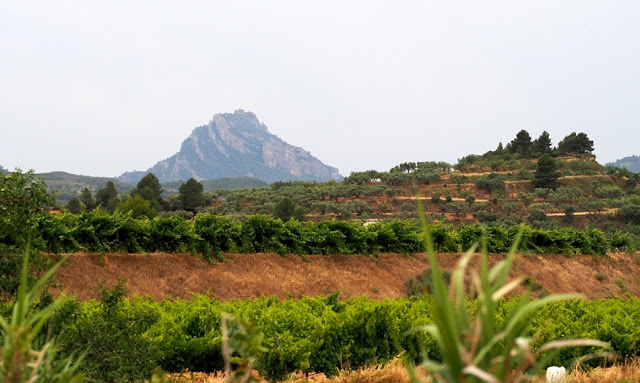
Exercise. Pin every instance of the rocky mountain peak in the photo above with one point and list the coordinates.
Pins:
(237, 145)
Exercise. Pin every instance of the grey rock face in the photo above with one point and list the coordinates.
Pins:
(237, 145)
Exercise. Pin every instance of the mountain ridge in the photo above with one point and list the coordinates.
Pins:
(237, 145)
(631, 163)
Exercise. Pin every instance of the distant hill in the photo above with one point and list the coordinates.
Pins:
(631, 163)
(3, 170)
(237, 145)
(66, 186)
(220, 184)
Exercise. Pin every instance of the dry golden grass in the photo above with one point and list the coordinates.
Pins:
(395, 372)
(252, 275)
(627, 373)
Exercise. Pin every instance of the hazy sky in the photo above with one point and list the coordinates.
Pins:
(99, 88)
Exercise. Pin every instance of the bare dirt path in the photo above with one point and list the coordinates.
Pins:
(606, 211)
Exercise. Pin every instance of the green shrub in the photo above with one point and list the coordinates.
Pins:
(608, 192)
(111, 334)
(537, 215)
(422, 284)
(630, 214)
(172, 235)
(216, 234)
(492, 182)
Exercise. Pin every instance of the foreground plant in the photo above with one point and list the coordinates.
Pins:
(241, 347)
(20, 361)
(475, 346)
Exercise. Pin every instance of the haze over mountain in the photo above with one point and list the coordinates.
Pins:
(631, 163)
(237, 145)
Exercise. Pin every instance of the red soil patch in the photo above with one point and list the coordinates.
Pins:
(251, 275)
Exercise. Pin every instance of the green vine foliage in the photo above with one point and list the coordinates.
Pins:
(126, 339)
(23, 200)
(212, 235)
(25, 355)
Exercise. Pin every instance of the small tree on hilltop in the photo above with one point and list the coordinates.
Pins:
(541, 145)
(547, 174)
(521, 144)
(575, 144)
(191, 195)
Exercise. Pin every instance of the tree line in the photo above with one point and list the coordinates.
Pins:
(522, 147)
(144, 200)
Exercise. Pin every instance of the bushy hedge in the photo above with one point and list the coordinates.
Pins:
(213, 235)
(320, 334)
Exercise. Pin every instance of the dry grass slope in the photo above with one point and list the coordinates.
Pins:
(251, 275)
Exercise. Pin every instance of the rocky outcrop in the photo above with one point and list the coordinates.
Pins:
(237, 145)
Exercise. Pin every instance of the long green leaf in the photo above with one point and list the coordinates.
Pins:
(457, 283)
(443, 311)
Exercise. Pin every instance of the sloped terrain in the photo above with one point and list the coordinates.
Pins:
(250, 275)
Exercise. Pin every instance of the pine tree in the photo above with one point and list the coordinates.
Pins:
(149, 189)
(285, 209)
(541, 145)
(87, 199)
(547, 174)
(74, 205)
(522, 143)
(191, 195)
(107, 197)
(575, 144)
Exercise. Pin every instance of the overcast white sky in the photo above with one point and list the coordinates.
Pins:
(99, 88)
